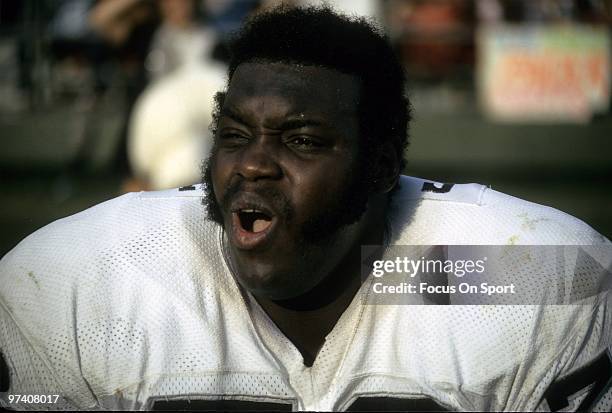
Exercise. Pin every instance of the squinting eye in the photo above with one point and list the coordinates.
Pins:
(230, 138)
(304, 142)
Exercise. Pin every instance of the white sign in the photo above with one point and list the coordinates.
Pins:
(544, 73)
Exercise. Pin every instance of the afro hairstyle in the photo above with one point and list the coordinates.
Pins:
(319, 36)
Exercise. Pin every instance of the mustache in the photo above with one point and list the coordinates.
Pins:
(277, 200)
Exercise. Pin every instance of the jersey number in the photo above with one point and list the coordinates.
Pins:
(4, 375)
(598, 374)
(431, 187)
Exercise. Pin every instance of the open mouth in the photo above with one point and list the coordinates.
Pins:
(253, 220)
(254, 223)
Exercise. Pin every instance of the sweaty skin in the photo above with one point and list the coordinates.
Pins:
(286, 148)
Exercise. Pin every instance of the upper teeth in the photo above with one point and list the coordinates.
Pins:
(250, 210)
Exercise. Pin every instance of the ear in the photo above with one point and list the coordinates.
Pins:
(386, 169)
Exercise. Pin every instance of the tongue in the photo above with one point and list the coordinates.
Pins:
(260, 225)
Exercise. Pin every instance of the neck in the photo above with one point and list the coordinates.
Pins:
(306, 320)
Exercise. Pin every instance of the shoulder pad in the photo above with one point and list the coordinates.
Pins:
(417, 188)
(196, 190)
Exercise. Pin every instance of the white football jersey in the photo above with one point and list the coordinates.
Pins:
(131, 305)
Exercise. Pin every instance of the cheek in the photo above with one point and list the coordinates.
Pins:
(321, 187)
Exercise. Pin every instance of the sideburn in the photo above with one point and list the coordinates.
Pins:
(213, 211)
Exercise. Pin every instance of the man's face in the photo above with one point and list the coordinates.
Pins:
(283, 169)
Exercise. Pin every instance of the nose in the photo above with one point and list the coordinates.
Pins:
(259, 161)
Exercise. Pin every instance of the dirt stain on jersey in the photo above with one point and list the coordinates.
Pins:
(529, 223)
(34, 279)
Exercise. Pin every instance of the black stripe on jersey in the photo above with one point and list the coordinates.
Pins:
(597, 373)
(393, 404)
(220, 405)
(361, 404)
(4, 375)
(187, 188)
(431, 187)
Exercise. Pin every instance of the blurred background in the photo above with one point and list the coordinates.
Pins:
(102, 97)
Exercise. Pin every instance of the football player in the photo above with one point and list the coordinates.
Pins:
(253, 301)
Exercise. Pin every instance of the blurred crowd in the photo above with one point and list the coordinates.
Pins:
(156, 64)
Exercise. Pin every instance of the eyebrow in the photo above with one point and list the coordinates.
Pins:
(293, 122)
(234, 115)
(299, 123)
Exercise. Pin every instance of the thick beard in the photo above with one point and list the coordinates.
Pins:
(347, 209)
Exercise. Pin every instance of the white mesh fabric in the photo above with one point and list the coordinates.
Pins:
(605, 402)
(29, 374)
(476, 215)
(131, 302)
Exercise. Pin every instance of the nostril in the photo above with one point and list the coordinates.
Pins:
(259, 163)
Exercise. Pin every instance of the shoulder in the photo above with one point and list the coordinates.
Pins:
(106, 280)
(107, 251)
(112, 222)
(561, 338)
(429, 212)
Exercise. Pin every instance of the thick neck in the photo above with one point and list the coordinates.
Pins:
(308, 319)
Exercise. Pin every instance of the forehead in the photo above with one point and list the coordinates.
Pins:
(303, 88)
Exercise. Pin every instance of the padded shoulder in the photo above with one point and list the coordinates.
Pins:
(412, 188)
(103, 249)
(102, 281)
(189, 191)
(428, 212)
